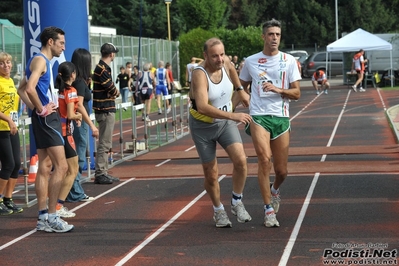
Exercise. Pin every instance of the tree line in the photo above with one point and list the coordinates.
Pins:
(304, 21)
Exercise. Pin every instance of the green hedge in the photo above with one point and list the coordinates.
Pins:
(241, 42)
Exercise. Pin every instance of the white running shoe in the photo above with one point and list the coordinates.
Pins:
(147, 119)
(221, 219)
(275, 202)
(362, 90)
(270, 219)
(354, 88)
(41, 225)
(168, 111)
(65, 213)
(242, 214)
(57, 226)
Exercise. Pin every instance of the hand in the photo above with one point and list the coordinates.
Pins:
(95, 132)
(47, 109)
(242, 117)
(267, 86)
(13, 127)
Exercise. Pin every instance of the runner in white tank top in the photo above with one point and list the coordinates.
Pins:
(212, 121)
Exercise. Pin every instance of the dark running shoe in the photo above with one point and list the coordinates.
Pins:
(4, 210)
(12, 206)
(102, 179)
(113, 178)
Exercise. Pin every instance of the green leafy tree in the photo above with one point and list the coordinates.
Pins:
(192, 44)
(205, 14)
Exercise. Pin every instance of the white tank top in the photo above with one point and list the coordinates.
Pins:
(219, 96)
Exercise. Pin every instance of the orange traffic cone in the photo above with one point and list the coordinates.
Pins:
(34, 164)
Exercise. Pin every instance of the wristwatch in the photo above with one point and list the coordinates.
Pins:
(239, 88)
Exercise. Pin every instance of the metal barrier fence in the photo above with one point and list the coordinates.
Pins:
(136, 137)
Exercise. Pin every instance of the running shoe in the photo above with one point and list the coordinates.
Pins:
(270, 219)
(242, 214)
(41, 225)
(147, 119)
(4, 210)
(87, 198)
(168, 110)
(57, 226)
(113, 178)
(12, 206)
(325, 92)
(276, 202)
(221, 219)
(362, 90)
(159, 111)
(65, 213)
(317, 92)
(354, 88)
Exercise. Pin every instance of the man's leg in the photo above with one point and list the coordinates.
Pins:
(261, 141)
(279, 149)
(237, 156)
(60, 167)
(315, 86)
(212, 187)
(42, 178)
(106, 124)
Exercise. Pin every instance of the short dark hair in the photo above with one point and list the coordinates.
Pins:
(50, 33)
(271, 23)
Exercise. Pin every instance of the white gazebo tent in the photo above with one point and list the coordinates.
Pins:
(359, 39)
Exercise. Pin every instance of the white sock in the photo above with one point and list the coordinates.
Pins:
(275, 191)
(236, 198)
(220, 208)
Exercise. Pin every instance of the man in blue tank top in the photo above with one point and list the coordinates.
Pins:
(37, 91)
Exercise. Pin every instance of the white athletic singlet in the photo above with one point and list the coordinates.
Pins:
(219, 96)
(190, 68)
(281, 70)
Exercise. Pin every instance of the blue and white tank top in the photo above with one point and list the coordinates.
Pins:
(161, 76)
(45, 87)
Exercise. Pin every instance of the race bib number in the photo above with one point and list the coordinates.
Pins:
(144, 90)
(14, 117)
(227, 107)
(275, 82)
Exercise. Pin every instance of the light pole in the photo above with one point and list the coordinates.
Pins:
(168, 2)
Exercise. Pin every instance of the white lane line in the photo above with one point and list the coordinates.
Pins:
(162, 163)
(74, 209)
(382, 100)
(162, 228)
(291, 242)
(189, 149)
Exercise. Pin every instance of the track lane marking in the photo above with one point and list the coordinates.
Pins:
(74, 209)
(162, 228)
(291, 241)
